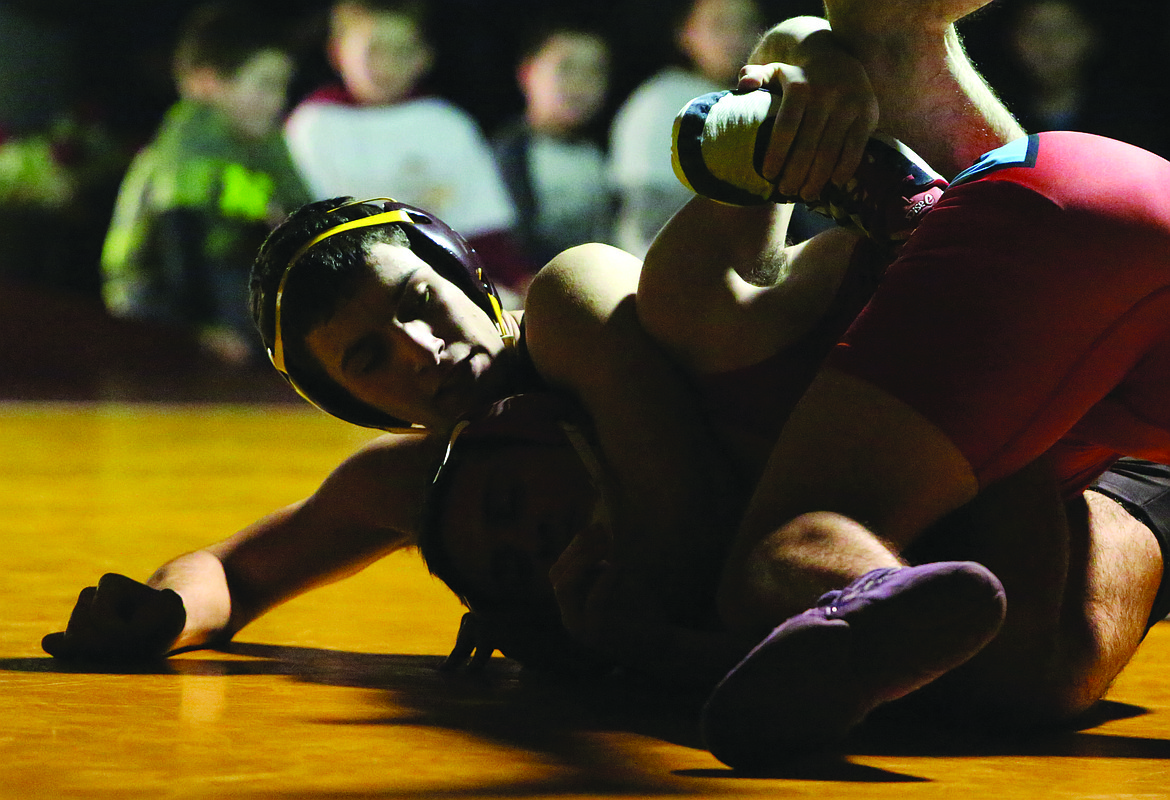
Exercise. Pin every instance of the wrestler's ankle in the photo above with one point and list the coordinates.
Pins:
(789, 570)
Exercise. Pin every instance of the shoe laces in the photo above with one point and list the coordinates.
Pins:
(836, 597)
(884, 198)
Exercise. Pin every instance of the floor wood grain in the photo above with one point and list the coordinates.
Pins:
(335, 695)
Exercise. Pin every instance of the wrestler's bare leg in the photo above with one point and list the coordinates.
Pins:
(1080, 581)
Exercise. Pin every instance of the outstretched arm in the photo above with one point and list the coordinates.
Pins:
(365, 509)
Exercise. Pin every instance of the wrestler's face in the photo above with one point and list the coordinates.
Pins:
(411, 343)
(510, 513)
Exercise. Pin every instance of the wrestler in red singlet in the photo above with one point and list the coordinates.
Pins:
(1030, 311)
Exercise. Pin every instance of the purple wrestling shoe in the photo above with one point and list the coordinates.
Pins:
(818, 675)
(718, 148)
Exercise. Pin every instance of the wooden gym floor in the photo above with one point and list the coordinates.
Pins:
(335, 695)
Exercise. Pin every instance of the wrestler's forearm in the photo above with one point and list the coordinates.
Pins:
(676, 499)
(930, 94)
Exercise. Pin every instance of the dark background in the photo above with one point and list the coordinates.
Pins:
(104, 68)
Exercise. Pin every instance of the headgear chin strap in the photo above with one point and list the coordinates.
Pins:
(421, 228)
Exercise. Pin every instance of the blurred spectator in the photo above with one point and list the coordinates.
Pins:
(1068, 77)
(376, 134)
(713, 39)
(199, 199)
(553, 166)
(59, 165)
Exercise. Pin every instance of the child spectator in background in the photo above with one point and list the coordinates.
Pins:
(60, 162)
(375, 134)
(713, 38)
(554, 169)
(199, 199)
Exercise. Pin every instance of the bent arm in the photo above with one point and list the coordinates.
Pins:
(674, 490)
(720, 290)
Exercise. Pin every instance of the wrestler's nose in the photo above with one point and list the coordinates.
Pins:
(417, 344)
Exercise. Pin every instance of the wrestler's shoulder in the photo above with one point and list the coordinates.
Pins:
(1038, 157)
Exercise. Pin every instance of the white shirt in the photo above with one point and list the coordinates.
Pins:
(572, 192)
(639, 146)
(426, 152)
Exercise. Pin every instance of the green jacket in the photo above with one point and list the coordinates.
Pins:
(191, 213)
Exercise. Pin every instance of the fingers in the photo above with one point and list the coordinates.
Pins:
(789, 146)
(822, 124)
(828, 161)
(482, 655)
(119, 619)
(754, 76)
(157, 621)
(126, 592)
(114, 599)
(466, 642)
(55, 645)
(821, 142)
(852, 151)
(76, 638)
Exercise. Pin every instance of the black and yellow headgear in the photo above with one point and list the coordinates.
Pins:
(434, 242)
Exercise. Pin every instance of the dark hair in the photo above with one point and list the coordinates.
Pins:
(224, 36)
(417, 11)
(537, 33)
(328, 274)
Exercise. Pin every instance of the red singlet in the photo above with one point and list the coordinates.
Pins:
(1030, 311)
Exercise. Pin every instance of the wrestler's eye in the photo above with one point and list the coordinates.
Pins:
(420, 301)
